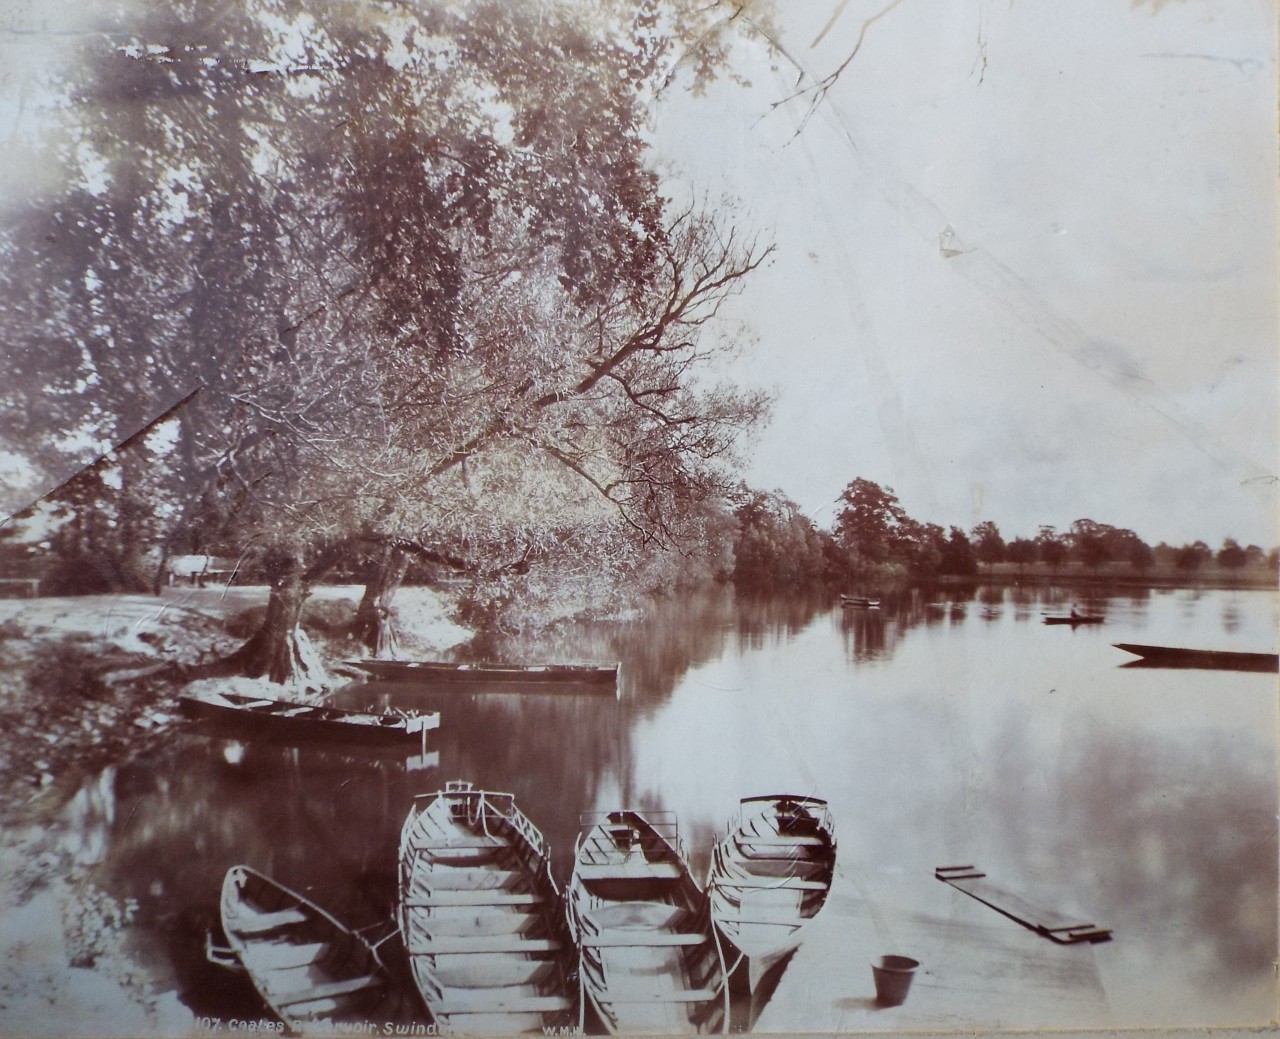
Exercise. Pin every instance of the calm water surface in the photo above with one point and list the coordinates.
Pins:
(941, 731)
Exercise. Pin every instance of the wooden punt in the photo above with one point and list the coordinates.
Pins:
(1207, 659)
(443, 673)
(649, 960)
(769, 877)
(859, 602)
(301, 721)
(309, 968)
(481, 916)
(1074, 618)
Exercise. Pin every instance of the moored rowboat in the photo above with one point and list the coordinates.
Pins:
(770, 876)
(308, 967)
(310, 721)
(432, 671)
(481, 915)
(649, 961)
(1208, 659)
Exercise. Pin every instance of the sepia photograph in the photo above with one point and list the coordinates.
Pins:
(639, 517)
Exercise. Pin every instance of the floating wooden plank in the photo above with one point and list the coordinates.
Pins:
(1055, 926)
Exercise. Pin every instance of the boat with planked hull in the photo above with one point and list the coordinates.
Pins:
(481, 915)
(311, 970)
(304, 722)
(545, 677)
(770, 875)
(649, 961)
(1206, 659)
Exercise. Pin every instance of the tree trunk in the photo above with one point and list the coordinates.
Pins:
(373, 626)
(280, 650)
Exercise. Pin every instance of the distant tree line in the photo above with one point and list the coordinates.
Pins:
(872, 537)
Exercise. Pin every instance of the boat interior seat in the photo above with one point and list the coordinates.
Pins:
(331, 990)
(251, 922)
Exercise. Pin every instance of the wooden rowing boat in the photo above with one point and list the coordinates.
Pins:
(309, 721)
(769, 877)
(308, 967)
(649, 961)
(440, 672)
(860, 602)
(1074, 618)
(481, 916)
(1207, 659)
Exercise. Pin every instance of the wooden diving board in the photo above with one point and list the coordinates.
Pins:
(1065, 930)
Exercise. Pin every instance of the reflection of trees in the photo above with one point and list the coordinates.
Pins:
(1181, 834)
(772, 619)
(866, 633)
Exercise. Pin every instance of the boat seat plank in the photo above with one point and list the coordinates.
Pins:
(701, 995)
(630, 871)
(777, 883)
(456, 844)
(331, 990)
(263, 923)
(490, 1003)
(779, 841)
(623, 939)
(448, 945)
(474, 898)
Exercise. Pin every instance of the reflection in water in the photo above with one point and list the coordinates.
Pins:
(1146, 797)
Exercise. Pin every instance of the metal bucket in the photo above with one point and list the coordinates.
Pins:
(893, 976)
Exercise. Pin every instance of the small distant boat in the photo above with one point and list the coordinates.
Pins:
(649, 959)
(770, 876)
(433, 671)
(482, 917)
(1074, 618)
(309, 968)
(309, 721)
(859, 602)
(1206, 659)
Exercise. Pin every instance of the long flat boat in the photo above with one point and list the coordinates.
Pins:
(481, 916)
(1074, 618)
(310, 969)
(1207, 659)
(649, 960)
(769, 877)
(441, 672)
(859, 602)
(310, 721)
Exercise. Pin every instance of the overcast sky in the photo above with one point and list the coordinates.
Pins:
(1026, 264)
(1026, 254)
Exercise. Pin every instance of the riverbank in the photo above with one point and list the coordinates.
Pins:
(83, 689)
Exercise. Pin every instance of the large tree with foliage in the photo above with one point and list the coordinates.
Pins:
(415, 264)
